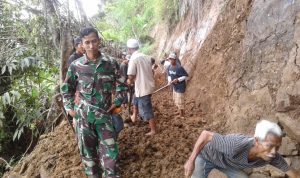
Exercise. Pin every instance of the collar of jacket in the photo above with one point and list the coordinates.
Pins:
(100, 58)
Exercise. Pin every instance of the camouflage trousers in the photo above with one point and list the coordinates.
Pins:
(98, 148)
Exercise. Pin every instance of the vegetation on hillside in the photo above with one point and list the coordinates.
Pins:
(126, 19)
(29, 68)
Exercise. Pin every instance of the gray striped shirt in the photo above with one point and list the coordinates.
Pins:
(231, 151)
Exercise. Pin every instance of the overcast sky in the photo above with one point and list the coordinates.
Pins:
(90, 6)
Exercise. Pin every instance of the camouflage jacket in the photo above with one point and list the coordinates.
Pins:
(96, 84)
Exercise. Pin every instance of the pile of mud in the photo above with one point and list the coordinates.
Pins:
(55, 155)
(163, 155)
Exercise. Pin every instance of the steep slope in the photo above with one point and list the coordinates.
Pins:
(243, 55)
(244, 65)
(249, 62)
(55, 155)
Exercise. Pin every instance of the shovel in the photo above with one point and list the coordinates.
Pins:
(161, 88)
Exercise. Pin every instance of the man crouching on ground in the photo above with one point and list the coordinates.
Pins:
(232, 153)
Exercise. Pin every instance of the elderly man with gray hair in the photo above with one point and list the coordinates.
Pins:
(232, 153)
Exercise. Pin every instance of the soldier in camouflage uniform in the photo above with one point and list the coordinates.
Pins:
(93, 77)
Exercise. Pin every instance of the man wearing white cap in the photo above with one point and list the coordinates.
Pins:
(140, 72)
(177, 76)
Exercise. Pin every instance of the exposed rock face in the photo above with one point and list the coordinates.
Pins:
(295, 162)
(288, 147)
(291, 126)
(243, 55)
(198, 17)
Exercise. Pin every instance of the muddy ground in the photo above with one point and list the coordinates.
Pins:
(163, 155)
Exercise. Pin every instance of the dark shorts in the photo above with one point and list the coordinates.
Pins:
(134, 102)
(144, 105)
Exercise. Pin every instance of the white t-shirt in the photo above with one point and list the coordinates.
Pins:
(140, 66)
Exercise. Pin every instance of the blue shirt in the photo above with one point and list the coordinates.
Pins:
(174, 73)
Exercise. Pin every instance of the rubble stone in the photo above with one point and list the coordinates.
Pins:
(291, 127)
(288, 147)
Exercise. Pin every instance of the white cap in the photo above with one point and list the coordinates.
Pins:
(132, 43)
(172, 56)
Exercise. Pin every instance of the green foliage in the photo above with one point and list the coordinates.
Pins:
(28, 72)
(147, 48)
(30, 34)
(135, 18)
(35, 85)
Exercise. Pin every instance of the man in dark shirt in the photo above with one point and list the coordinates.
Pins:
(123, 73)
(231, 154)
(124, 65)
(177, 77)
(79, 51)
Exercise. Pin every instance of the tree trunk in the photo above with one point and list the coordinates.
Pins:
(53, 19)
(66, 50)
(84, 18)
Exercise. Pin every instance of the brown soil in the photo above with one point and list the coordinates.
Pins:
(162, 155)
